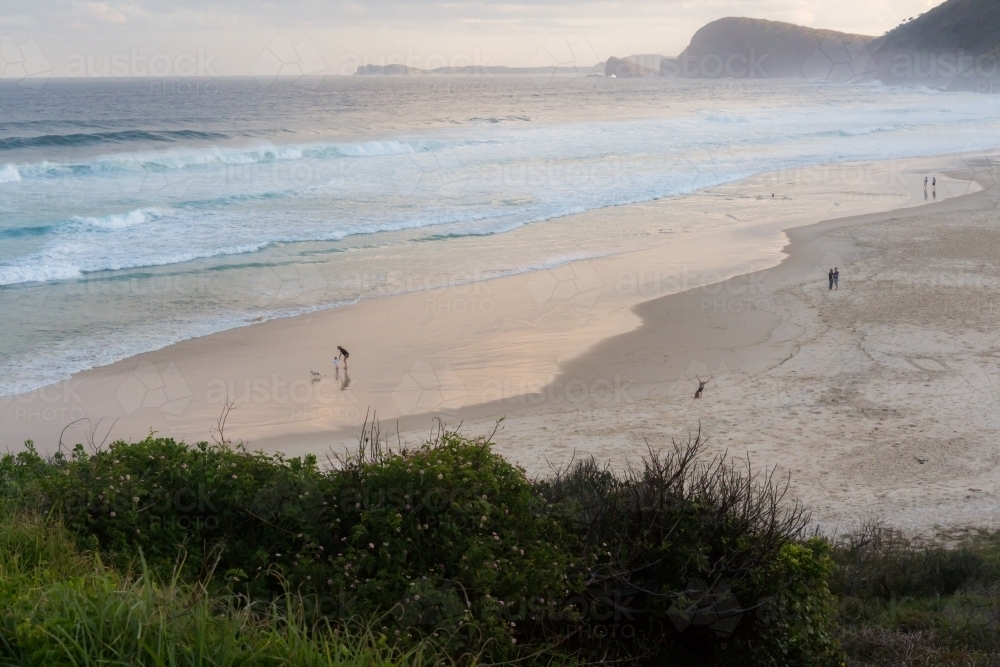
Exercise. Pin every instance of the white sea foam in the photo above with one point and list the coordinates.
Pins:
(375, 148)
(37, 271)
(9, 174)
(180, 158)
(54, 265)
(120, 220)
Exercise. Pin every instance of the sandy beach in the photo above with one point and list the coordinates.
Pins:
(880, 396)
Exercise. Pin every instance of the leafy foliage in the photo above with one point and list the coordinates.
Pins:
(693, 560)
(678, 562)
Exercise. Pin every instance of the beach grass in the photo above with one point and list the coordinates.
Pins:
(61, 606)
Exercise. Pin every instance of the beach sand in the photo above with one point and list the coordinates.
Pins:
(878, 398)
(843, 390)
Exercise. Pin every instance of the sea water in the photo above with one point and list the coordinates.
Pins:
(139, 213)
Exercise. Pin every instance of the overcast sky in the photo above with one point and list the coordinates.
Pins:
(230, 37)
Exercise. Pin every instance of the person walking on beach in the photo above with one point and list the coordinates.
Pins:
(701, 387)
(830, 276)
(336, 368)
(836, 278)
(344, 353)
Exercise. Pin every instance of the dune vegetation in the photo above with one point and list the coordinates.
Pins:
(161, 553)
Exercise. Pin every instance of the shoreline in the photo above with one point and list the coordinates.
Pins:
(478, 363)
(876, 399)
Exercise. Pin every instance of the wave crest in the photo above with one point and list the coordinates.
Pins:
(90, 138)
(120, 220)
(9, 174)
(183, 159)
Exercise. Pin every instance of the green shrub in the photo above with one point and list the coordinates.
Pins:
(454, 540)
(875, 560)
(915, 603)
(62, 607)
(692, 561)
(679, 562)
(450, 538)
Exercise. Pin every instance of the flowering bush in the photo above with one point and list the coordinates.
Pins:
(448, 541)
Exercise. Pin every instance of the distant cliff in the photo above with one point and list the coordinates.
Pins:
(972, 25)
(955, 46)
(756, 48)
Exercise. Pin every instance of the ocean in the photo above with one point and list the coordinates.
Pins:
(138, 213)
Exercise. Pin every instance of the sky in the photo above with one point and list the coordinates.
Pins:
(250, 37)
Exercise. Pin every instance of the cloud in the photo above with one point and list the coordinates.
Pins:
(102, 12)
